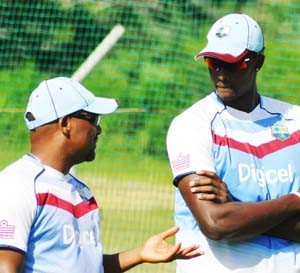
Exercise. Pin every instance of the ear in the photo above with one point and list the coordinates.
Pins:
(260, 62)
(65, 125)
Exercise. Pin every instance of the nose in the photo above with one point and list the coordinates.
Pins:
(223, 74)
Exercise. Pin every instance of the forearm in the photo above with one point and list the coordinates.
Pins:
(121, 262)
(130, 258)
(288, 229)
(236, 221)
(155, 250)
(240, 221)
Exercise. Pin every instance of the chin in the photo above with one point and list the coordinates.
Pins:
(225, 94)
(90, 157)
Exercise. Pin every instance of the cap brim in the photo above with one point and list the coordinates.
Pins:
(102, 106)
(227, 55)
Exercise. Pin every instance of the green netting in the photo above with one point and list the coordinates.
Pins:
(151, 72)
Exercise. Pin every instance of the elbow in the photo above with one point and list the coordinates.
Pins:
(217, 230)
(212, 233)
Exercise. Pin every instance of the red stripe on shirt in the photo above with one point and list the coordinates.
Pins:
(261, 150)
(76, 210)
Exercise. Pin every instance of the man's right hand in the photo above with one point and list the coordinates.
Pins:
(208, 186)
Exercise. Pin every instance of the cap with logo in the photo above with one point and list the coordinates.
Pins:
(232, 37)
(61, 96)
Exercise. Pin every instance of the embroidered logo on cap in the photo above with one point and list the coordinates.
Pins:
(223, 31)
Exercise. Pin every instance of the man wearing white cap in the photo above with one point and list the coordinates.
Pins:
(247, 141)
(49, 220)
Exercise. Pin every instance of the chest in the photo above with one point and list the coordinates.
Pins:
(259, 160)
(66, 216)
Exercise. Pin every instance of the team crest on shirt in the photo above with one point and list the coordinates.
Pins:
(280, 132)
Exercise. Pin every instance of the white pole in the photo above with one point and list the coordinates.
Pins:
(95, 57)
(98, 53)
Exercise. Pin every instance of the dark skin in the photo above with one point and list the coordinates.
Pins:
(11, 261)
(218, 217)
(235, 221)
(238, 89)
(71, 141)
(208, 187)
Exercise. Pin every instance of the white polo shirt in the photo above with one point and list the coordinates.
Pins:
(50, 217)
(257, 155)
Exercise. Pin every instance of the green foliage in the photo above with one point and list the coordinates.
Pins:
(150, 71)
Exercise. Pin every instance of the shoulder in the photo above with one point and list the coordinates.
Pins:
(18, 203)
(203, 110)
(20, 175)
(288, 110)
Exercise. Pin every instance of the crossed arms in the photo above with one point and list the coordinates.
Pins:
(220, 218)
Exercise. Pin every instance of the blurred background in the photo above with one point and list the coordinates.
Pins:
(150, 70)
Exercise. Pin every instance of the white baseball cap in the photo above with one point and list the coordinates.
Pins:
(231, 37)
(58, 97)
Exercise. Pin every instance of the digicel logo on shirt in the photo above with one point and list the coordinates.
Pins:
(248, 172)
(84, 238)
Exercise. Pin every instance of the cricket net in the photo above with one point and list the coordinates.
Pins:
(150, 69)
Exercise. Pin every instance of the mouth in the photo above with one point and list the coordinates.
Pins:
(225, 92)
(223, 86)
(223, 89)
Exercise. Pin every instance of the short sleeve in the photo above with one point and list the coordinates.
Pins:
(17, 211)
(189, 145)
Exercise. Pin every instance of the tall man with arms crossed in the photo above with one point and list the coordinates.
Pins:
(49, 220)
(249, 141)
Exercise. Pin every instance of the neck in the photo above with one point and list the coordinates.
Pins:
(55, 162)
(49, 146)
(246, 103)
